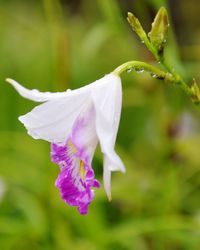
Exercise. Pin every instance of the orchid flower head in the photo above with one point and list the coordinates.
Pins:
(74, 122)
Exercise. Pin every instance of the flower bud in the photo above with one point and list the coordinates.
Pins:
(159, 30)
(195, 92)
(136, 26)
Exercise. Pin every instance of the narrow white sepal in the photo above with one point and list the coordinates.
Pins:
(34, 94)
(108, 101)
(107, 180)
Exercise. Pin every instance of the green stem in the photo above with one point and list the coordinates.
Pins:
(160, 58)
(178, 79)
(170, 76)
(138, 66)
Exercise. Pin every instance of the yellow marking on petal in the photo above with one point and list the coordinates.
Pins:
(82, 170)
(72, 147)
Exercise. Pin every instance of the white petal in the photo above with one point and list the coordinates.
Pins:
(107, 99)
(37, 96)
(84, 130)
(53, 120)
(34, 94)
(107, 180)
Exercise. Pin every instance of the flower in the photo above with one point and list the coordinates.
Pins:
(74, 122)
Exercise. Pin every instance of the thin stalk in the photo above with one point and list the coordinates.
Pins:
(178, 79)
(170, 76)
(160, 58)
(138, 66)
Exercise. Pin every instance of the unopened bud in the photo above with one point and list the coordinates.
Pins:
(159, 30)
(195, 92)
(136, 26)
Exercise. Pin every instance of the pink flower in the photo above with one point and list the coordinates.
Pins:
(74, 122)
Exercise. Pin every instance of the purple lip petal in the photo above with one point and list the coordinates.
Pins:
(83, 209)
(76, 178)
(96, 184)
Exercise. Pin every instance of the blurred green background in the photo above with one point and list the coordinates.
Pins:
(51, 46)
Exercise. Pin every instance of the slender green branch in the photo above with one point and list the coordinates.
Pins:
(142, 66)
(177, 78)
(170, 76)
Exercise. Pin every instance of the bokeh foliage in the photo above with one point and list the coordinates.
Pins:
(52, 46)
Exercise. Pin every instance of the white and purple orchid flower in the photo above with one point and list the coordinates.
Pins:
(74, 122)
